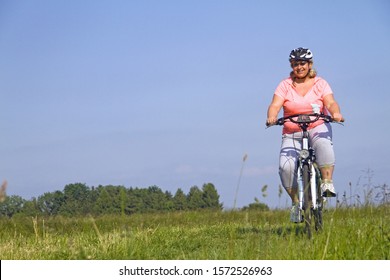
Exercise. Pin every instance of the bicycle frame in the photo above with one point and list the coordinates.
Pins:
(307, 173)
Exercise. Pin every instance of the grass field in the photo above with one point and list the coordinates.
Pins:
(349, 234)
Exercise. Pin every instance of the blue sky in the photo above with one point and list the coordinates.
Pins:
(174, 93)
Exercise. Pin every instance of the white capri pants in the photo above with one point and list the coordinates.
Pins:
(320, 139)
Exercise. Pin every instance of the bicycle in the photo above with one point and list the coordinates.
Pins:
(308, 174)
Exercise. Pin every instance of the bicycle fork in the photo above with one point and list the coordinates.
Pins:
(306, 158)
(313, 186)
(300, 188)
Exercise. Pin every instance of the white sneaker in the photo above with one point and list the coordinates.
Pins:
(328, 190)
(295, 214)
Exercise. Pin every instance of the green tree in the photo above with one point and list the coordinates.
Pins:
(180, 200)
(195, 198)
(11, 205)
(76, 198)
(169, 204)
(134, 203)
(155, 199)
(50, 203)
(210, 197)
(123, 199)
(110, 200)
(104, 203)
(30, 208)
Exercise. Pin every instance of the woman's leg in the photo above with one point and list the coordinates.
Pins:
(289, 152)
(321, 139)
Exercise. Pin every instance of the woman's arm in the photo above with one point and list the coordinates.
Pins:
(333, 107)
(273, 109)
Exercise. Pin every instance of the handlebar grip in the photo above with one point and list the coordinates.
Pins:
(278, 122)
(327, 118)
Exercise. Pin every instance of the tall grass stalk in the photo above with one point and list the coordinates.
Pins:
(239, 180)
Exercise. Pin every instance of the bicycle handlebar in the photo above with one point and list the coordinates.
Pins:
(304, 119)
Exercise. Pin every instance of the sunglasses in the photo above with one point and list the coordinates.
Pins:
(298, 63)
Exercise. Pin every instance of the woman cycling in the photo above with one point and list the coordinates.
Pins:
(299, 94)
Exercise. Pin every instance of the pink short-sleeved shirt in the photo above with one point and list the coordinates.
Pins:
(294, 103)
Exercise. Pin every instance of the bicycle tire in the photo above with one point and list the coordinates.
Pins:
(307, 201)
(320, 202)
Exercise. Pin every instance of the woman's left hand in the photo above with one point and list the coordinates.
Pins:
(337, 117)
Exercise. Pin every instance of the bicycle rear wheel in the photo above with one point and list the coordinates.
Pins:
(319, 201)
(307, 201)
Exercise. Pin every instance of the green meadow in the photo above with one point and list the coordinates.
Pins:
(349, 234)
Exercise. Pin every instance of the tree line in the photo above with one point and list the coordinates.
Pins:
(79, 199)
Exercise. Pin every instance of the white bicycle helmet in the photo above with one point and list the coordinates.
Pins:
(301, 54)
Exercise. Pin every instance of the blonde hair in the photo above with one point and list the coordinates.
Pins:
(312, 73)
